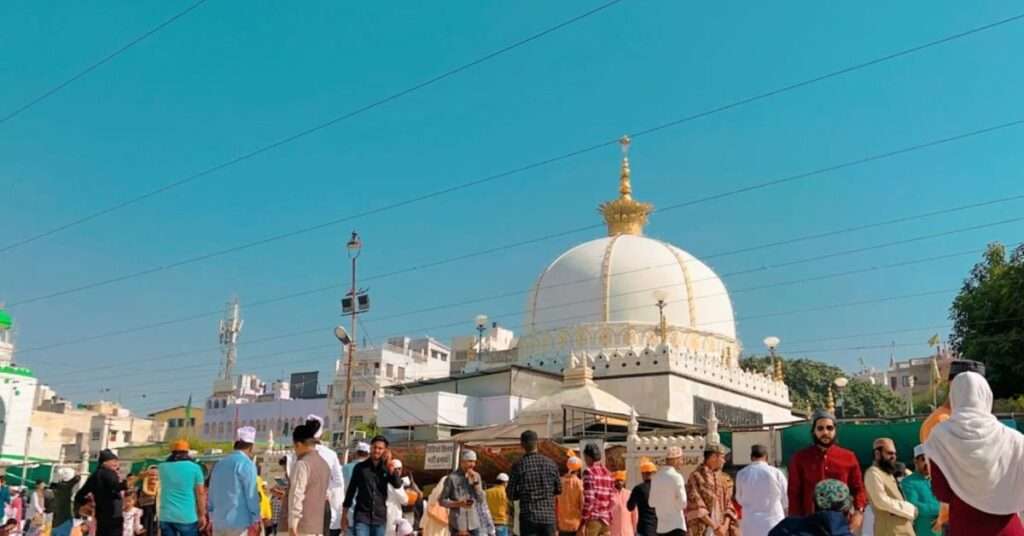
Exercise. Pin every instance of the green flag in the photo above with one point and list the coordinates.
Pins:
(935, 340)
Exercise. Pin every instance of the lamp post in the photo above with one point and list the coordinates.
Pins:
(661, 300)
(24, 457)
(354, 247)
(841, 384)
(910, 395)
(481, 326)
(772, 343)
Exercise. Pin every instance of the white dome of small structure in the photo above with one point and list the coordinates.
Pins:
(619, 279)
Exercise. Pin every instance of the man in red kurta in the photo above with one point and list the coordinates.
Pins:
(824, 460)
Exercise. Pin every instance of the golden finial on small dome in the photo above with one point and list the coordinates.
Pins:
(625, 188)
(624, 215)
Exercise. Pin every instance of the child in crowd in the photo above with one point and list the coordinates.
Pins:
(132, 517)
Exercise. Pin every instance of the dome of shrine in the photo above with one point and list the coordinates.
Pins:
(623, 276)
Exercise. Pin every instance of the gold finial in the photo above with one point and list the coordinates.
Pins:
(831, 401)
(624, 215)
(625, 188)
(778, 374)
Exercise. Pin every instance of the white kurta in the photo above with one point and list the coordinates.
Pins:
(761, 492)
(397, 498)
(668, 498)
(336, 488)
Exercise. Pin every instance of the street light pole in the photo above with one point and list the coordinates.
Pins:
(910, 396)
(24, 457)
(481, 326)
(841, 383)
(661, 300)
(772, 343)
(353, 246)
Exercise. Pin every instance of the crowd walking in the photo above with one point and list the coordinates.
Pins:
(967, 480)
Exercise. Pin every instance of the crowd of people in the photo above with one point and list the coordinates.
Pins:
(968, 480)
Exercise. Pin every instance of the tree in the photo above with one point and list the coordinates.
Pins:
(808, 382)
(369, 428)
(988, 318)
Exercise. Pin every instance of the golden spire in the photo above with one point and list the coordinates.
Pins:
(831, 401)
(625, 188)
(625, 215)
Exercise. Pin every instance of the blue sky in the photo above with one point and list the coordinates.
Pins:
(223, 81)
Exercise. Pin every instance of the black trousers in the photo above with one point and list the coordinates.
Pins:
(529, 528)
(327, 517)
(149, 519)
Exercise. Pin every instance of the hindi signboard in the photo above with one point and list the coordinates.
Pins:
(439, 457)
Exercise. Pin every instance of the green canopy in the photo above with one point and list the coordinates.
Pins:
(35, 473)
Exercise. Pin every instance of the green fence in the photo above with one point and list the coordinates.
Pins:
(860, 437)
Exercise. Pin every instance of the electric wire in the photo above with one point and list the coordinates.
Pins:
(750, 188)
(310, 130)
(758, 269)
(798, 281)
(95, 65)
(773, 314)
(521, 169)
(814, 236)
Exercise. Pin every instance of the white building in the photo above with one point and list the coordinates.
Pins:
(654, 323)
(17, 396)
(495, 349)
(437, 409)
(912, 377)
(400, 360)
(62, 430)
(268, 409)
(51, 428)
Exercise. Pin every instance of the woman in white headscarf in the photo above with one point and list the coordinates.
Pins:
(977, 464)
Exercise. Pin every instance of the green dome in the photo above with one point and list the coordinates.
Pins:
(5, 319)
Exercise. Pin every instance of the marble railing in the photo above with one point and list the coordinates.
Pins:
(711, 368)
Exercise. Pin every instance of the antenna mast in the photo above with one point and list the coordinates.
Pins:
(230, 328)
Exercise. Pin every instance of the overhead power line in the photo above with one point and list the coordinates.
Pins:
(773, 314)
(310, 130)
(520, 312)
(758, 186)
(99, 63)
(521, 169)
(878, 346)
(747, 249)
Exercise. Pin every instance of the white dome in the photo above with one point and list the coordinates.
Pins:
(613, 279)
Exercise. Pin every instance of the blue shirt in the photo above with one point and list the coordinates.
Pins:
(178, 481)
(346, 470)
(234, 498)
